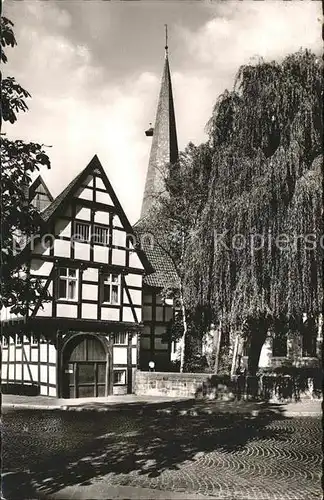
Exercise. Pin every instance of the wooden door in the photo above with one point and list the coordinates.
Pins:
(85, 368)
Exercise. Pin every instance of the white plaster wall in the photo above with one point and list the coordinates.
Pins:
(134, 280)
(52, 375)
(46, 310)
(90, 292)
(81, 250)
(128, 315)
(119, 238)
(62, 248)
(109, 314)
(34, 372)
(34, 354)
(43, 353)
(100, 254)
(103, 198)
(99, 183)
(118, 257)
(117, 221)
(134, 260)
(120, 355)
(90, 274)
(18, 372)
(82, 213)
(101, 217)
(26, 374)
(66, 310)
(136, 296)
(43, 374)
(85, 194)
(52, 391)
(89, 311)
(134, 356)
(52, 354)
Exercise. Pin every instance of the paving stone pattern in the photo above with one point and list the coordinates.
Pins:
(241, 457)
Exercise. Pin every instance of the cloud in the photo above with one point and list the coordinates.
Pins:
(244, 30)
(81, 108)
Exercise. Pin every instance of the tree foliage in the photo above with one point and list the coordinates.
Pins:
(19, 219)
(265, 197)
(252, 201)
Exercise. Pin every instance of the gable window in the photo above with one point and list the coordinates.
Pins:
(111, 289)
(100, 235)
(40, 201)
(68, 283)
(120, 338)
(4, 341)
(18, 339)
(82, 232)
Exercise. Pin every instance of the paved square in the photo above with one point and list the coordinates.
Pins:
(83, 455)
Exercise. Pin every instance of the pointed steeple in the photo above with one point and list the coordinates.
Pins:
(164, 147)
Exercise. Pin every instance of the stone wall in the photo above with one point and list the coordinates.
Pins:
(170, 383)
(271, 387)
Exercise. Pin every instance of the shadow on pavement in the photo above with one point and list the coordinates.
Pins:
(70, 448)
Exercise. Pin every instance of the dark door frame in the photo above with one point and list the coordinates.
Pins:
(70, 336)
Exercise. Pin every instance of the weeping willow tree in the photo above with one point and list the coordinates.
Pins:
(255, 252)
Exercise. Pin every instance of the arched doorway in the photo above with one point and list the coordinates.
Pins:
(85, 367)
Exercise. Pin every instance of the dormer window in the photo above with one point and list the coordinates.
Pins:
(111, 289)
(68, 283)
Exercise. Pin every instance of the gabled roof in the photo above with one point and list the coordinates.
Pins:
(39, 181)
(60, 202)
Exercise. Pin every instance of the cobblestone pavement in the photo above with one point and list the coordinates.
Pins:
(227, 457)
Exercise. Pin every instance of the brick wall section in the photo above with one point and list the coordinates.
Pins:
(169, 383)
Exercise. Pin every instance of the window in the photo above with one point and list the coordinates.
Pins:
(309, 344)
(119, 377)
(4, 341)
(34, 340)
(68, 283)
(120, 338)
(82, 232)
(111, 289)
(100, 235)
(279, 346)
(40, 201)
(18, 339)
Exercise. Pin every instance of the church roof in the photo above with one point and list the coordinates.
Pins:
(164, 147)
(164, 275)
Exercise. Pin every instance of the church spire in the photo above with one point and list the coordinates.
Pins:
(164, 147)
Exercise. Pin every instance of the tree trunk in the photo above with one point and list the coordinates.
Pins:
(183, 309)
(235, 355)
(258, 337)
(185, 328)
(217, 350)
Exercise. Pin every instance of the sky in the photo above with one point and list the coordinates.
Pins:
(93, 69)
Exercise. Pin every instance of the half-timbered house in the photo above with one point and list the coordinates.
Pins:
(83, 339)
